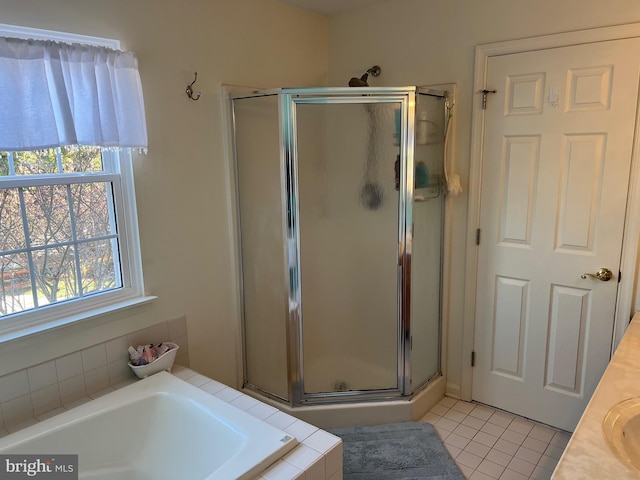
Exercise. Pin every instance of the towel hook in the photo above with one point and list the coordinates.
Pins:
(190, 88)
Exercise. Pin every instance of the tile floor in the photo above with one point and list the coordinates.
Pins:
(489, 444)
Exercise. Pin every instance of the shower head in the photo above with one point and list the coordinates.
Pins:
(359, 82)
(362, 81)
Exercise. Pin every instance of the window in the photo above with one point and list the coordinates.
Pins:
(69, 245)
(63, 229)
(58, 227)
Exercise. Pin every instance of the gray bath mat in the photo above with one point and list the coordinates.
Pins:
(396, 451)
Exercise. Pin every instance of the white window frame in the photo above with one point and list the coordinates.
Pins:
(131, 293)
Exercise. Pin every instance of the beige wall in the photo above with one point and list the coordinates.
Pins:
(428, 42)
(182, 185)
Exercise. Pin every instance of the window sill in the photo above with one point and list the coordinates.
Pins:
(74, 318)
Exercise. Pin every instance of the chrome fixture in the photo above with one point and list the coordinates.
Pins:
(362, 81)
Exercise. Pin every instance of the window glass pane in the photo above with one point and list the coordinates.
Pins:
(91, 209)
(11, 228)
(15, 284)
(97, 266)
(81, 159)
(36, 162)
(55, 272)
(48, 214)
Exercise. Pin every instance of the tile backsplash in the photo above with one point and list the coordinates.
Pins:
(37, 392)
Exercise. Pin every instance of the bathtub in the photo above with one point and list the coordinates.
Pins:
(157, 428)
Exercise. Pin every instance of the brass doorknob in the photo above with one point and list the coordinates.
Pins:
(603, 274)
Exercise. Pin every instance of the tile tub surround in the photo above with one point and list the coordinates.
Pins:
(317, 457)
(38, 392)
(587, 455)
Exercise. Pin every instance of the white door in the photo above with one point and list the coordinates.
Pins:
(556, 159)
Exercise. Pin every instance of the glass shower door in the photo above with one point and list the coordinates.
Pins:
(348, 193)
(264, 273)
(428, 201)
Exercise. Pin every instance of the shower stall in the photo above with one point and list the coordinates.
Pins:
(340, 219)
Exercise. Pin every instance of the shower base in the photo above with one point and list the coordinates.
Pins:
(350, 414)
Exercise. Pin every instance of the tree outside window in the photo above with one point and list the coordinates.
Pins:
(58, 234)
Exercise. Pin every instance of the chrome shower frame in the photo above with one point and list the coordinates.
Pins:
(289, 98)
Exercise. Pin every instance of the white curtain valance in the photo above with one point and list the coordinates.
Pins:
(54, 94)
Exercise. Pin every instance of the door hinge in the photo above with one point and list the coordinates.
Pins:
(477, 236)
(473, 359)
(484, 93)
(619, 276)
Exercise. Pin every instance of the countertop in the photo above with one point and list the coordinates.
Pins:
(587, 454)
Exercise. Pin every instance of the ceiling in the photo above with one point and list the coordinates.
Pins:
(330, 7)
